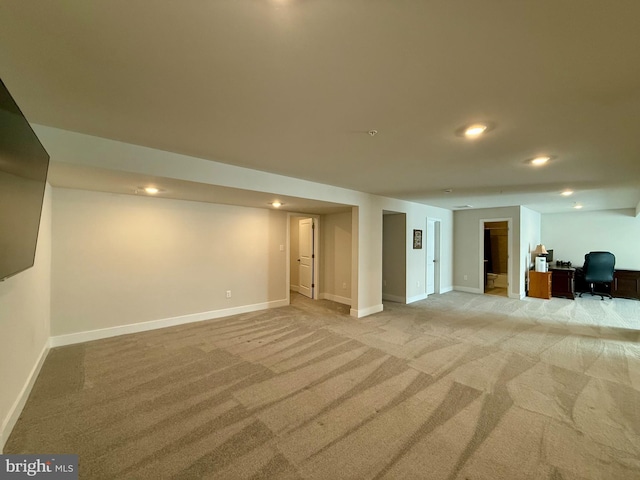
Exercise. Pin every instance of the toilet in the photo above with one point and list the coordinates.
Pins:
(491, 278)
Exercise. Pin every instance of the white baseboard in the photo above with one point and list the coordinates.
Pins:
(16, 409)
(446, 289)
(366, 311)
(393, 298)
(417, 298)
(517, 296)
(467, 289)
(335, 298)
(294, 288)
(80, 337)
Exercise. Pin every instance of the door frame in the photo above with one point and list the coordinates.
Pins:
(510, 268)
(306, 256)
(437, 242)
(316, 254)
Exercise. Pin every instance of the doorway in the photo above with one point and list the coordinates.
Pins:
(306, 257)
(394, 256)
(496, 242)
(303, 255)
(433, 256)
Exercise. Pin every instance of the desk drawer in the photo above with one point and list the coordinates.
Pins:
(540, 285)
(626, 284)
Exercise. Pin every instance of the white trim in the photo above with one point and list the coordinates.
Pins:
(446, 289)
(437, 272)
(87, 336)
(366, 311)
(316, 255)
(16, 409)
(417, 298)
(394, 298)
(294, 288)
(467, 289)
(287, 261)
(315, 290)
(335, 298)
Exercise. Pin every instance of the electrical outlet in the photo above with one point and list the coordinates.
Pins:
(344, 285)
(228, 293)
(417, 284)
(282, 248)
(466, 277)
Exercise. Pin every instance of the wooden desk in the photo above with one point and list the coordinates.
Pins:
(540, 284)
(562, 282)
(626, 284)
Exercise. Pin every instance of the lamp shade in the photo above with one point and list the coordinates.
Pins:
(540, 250)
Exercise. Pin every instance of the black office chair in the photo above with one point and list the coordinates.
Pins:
(598, 268)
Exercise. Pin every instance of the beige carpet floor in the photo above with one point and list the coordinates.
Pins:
(458, 386)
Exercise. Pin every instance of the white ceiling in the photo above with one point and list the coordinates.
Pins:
(293, 86)
(102, 180)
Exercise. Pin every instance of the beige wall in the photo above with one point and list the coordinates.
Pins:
(529, 239)
(572, 235)
(24, 324)
(468, 254)
(122, 259)
(366, 254)
(335, 257)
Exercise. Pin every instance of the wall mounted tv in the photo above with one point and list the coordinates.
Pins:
(23, 175)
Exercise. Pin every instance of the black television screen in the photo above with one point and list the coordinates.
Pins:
(23, 175)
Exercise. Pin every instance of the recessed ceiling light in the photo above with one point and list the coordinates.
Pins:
(541, 160)
(448, 190)
(276, 204)
(577, 206)
(150, 190)
(567, 193)
(475, 130)
(373, 133)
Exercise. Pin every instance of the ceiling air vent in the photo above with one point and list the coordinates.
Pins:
(462, 206)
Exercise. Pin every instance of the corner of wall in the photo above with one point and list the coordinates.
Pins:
(28, 302)
(364, 312)
(16, 409)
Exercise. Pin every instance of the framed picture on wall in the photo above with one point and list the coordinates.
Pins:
(417, 239)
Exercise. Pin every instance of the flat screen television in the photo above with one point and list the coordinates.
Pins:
(23, 175)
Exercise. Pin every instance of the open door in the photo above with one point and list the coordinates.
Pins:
(433, 256)
(306, 256)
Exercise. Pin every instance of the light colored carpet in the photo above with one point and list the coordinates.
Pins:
(458, 386)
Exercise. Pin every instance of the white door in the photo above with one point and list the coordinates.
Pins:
(305, 260)
(431, 256)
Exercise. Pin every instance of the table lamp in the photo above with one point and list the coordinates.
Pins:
(540, 250)
(541, 260)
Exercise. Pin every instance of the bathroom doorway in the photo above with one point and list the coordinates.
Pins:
(496, 257)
